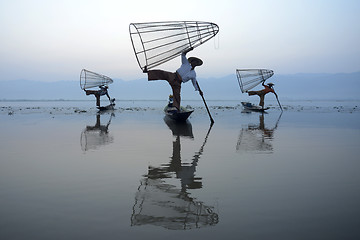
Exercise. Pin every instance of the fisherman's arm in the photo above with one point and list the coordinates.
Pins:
(183, 55)
(196, 86)
(183, 58)
(194, 82)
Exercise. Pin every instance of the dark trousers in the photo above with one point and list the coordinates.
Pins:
(261, 94)
(173, 79)
(97, 96)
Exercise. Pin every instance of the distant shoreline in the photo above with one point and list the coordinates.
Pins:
(10, 107)
(197, 100)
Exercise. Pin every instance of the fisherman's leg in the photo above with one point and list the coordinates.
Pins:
(261, 103)
(250, 93)
(159, 75)
(97, 100)
(176, 95)
(175, 84)
(88, 92)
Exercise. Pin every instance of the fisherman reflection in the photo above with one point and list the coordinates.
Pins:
(186, 173)
(161, 203)
(257, 137)
(268, 133)
(95, 136)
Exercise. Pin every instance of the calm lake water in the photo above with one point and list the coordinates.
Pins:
(67, 172)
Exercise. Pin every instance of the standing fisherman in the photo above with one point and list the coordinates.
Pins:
(261, 93)
(102, 91)
(185, 73)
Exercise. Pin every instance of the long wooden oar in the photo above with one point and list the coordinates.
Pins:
(211, 119)
(279, 102)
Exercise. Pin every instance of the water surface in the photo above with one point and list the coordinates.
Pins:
(67, 172)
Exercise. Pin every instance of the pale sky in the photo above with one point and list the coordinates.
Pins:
(49, 40)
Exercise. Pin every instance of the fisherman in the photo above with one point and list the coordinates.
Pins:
(185, 73)
(97, 93)
(261, 93)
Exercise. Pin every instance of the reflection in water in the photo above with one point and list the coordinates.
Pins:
(93, 137)
(256, 137)
(161, 203)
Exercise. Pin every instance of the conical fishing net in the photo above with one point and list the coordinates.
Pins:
(160, 204)
(90, 79)
(250, 78)
(155, 43)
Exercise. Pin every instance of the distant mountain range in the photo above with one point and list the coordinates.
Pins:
(292, 86)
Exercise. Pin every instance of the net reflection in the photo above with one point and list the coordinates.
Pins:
(92, 137)
(160, 201)
(257, 138)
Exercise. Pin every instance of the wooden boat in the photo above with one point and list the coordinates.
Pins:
(108, 107)
(178, 116)
(252, 107)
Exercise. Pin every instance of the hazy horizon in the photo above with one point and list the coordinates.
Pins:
(295, 86)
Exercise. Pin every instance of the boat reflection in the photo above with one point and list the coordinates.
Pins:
(257, 138)
(92, 137)
(162, 201)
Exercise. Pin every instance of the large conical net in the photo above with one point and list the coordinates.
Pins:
(92, 137)
(250, 78)
(90, 79)
(255, 140)
(155, 43)
(160, 204)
